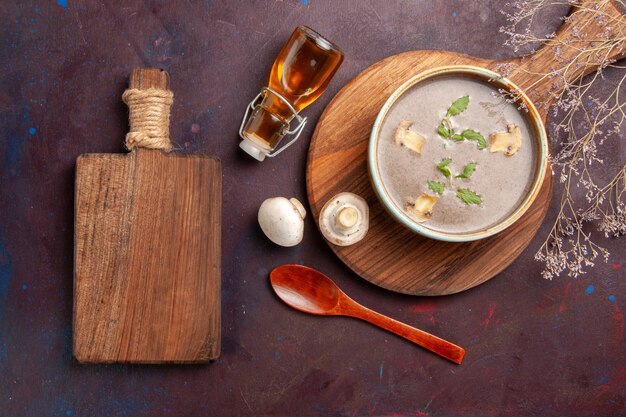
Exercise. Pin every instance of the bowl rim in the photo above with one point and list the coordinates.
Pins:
(533, 117)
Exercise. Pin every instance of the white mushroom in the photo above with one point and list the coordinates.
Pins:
(422, 207)
(408, 138)
(344, 219)
(282, 220)
(508, 142)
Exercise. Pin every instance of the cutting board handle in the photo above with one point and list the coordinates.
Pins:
(572, 42)
(145, 78)
(149, 99)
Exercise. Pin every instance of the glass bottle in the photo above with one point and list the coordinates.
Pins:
(299, 76)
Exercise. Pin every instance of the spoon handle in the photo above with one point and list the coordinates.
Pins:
(428, 341)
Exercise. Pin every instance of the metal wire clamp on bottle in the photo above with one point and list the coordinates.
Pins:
(296, 131)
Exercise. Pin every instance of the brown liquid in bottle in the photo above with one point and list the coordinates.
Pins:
(300, 74)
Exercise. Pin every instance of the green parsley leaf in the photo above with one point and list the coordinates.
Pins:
(457, 137)
(468, 170)
(443, 131)
(475, 136)
(468, 196)
(436, 187)
(441, 166)
(458, 106)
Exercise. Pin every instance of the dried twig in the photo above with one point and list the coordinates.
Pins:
(585, 123)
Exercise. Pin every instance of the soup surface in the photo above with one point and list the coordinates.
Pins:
(501, 181)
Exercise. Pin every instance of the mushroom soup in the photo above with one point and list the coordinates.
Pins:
(455, 155)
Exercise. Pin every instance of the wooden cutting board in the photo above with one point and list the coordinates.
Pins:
(391, 256)
(147, 253)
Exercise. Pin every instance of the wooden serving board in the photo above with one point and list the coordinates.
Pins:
(391, 256)
(147, 254)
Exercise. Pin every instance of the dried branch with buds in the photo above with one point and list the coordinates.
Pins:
(583, 124)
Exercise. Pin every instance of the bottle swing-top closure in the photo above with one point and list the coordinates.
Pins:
(298, 77)
(254, 150)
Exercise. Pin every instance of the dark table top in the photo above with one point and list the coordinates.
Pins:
(534, 347)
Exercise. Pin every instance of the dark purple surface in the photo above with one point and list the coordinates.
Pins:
(534, 348)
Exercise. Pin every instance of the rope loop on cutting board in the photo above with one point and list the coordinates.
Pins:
(149, 115)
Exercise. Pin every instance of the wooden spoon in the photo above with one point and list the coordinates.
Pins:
(310, 291)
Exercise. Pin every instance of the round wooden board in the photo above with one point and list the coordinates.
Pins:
(391, 256)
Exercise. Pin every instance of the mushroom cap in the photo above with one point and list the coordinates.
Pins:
(344, 219)
(282, 220)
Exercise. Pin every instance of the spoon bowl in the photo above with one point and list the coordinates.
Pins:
(305, 289)
(310, 291)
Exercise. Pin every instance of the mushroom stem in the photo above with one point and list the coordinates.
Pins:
(408, 138)
(298, 205)
(347, 217)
